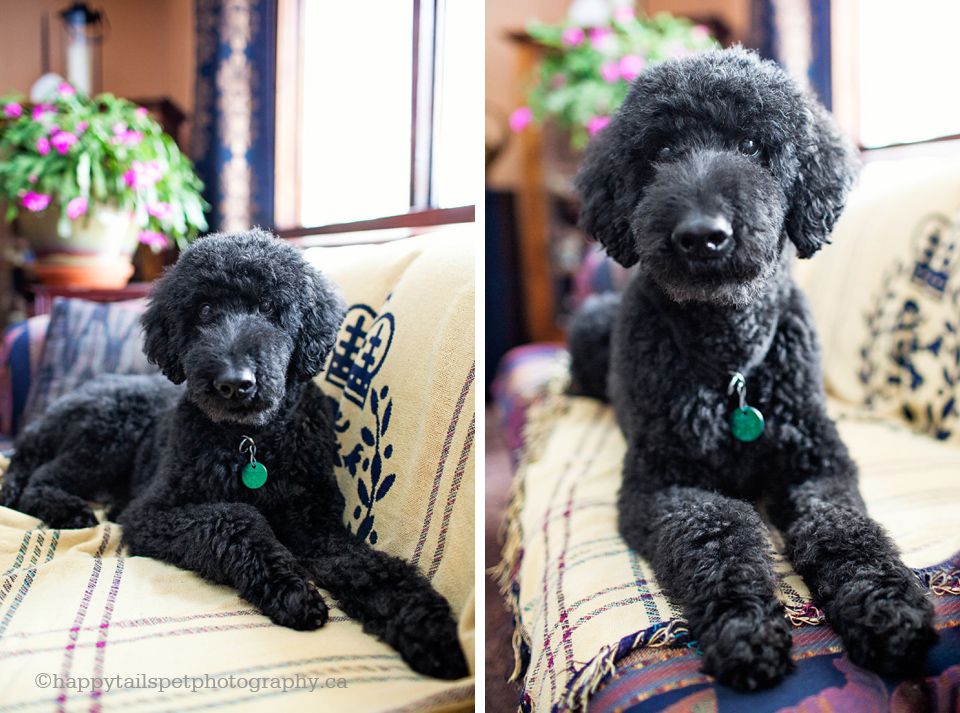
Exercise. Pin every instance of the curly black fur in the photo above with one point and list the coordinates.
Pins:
(714, 171)
(246, 322)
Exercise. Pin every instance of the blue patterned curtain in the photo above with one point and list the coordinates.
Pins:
(233, 125)
(796, 34)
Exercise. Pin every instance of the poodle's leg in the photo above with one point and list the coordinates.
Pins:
(852, 567)
(232, 544)
(392, 600)
(56, 492)
(709, 551)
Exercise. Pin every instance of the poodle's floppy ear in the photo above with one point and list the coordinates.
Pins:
(159, 340)
(828, 167)
(606, 202)
(322, 310)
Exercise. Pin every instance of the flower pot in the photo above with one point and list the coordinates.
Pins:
(96, 255)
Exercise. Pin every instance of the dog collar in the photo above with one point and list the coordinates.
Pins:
(746, 423)
(254, 473)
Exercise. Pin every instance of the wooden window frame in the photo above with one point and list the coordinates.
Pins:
(423, 215)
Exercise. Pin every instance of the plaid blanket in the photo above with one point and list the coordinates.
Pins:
(583, 600)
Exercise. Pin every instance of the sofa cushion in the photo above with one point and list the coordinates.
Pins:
(583, 600)
(523, 377)
(402, 374)
(22, 350)
(886, 299)
(83, 340)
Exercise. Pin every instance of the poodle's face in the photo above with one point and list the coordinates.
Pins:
(711, 164)
(240, 318)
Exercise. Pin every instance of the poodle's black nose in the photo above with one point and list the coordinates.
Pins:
(236, 383)
(703, 236)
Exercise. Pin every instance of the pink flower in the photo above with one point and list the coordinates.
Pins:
(161, 211)
(521, 118)
(154, 239)
(623, 14)
(32, 178)
(12, 110)
(559, 80)
(123, 135)
(610, 71)
(601, 37)
(631, 65)
(41, 109)
(43, 146)
(700, 33)
(142, 112)
(63, 141)
(35, 201)
(572, 36)
(131, 137)
(66, 89)
(76, 207)
(597, 123)
(82, 126)
(143, 174)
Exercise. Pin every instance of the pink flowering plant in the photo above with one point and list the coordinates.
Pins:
(71, 153)
(585, 72)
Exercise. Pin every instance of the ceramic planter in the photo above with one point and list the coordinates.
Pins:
(96, 255)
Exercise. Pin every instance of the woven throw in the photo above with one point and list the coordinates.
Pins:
(583, 600)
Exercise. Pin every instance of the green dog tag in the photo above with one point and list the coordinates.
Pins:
(255, 474)
(746, 424)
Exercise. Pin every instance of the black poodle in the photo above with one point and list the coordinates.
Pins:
(715, 170)
(231, 475)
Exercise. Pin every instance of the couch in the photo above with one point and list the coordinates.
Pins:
(85, 626)
(592, 627)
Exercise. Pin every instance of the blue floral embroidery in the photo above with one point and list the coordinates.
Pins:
(902, 336)
(356, 359)
(368, 458)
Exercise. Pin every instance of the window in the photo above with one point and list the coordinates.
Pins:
(375, 115)
(892, 85)
(906, 61)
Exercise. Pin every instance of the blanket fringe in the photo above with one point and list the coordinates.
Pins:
(588, 679)
(804, 613)
(945, 583)
(542, 416)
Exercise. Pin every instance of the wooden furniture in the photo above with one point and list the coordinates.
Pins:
(546, 214)
(44, 294)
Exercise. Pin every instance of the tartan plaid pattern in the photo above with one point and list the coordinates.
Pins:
(583, 600)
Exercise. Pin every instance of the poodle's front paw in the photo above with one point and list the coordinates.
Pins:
(294, 602)
(886, 623)
(58, 509)
(427, 640)
(747, 649)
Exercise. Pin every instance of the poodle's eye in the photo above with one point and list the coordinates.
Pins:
(665, 154)
(749, 147)
(205, 311)
(265, 307)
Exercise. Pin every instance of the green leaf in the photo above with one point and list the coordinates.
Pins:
(83, 174)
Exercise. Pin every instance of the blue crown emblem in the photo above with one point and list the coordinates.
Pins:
(936, 255)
